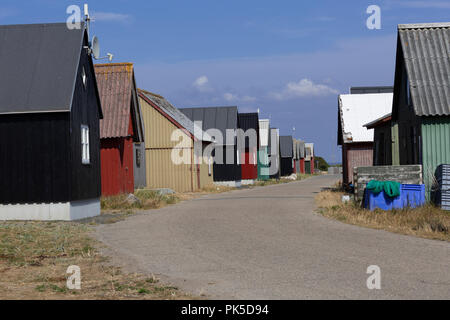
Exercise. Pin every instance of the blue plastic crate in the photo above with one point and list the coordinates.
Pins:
(411, 195)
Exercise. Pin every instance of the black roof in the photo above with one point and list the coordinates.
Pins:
(286, 146)
(38, 67)
(379, 89)
(221, 118)
(248, 121)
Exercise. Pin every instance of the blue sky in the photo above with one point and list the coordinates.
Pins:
(288, 58)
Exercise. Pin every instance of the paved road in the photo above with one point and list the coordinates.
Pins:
(267, 243)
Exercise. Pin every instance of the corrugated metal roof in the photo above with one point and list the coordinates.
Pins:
(38, 67)
(426, 53)
(301, 146)
(116, 87)
(264, 125)
(299, 149)
(275, 143)
(309, 151)
(286, 149)
(294, 148)
(221, 118)
(355, 110)
(175, 114)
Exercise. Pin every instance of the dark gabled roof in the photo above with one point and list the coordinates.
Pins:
(221, 118)
(425, 51)
(248, 121)
(38, 67)
(175, 115)
(118, 94)
(286, 146)
(379, 89)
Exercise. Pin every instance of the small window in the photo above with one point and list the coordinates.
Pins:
(84, 78)
(210, 166)
(138, 156)
(85, 152)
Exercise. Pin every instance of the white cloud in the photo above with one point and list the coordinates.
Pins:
(230, 97)
(111, 16)
(303, 88)
(202, 84)
(234, 97)
(201, 81)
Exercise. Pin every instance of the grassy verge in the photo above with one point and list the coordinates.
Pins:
(34, 257)
(426, 222)
(148, 199)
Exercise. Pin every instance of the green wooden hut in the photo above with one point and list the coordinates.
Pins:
(421, 105)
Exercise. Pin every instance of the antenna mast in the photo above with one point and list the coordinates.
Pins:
(87, 18)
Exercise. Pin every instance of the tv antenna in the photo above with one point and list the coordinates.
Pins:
(94, 45)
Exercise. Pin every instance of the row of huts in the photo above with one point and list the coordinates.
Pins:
(72, 131)
(409, 123)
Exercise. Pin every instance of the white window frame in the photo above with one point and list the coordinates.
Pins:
(209, 166)
(85, 150)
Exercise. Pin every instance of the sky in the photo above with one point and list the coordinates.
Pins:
(289, 58)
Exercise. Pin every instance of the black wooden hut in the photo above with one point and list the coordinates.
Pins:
(286, 153)
(222, 120)
(49, 124)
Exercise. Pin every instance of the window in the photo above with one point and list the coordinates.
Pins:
(209, 166)
(84, 78)
(85, 153)
(408, 92)
(138, 155)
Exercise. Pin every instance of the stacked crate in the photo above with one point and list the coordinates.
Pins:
(442, 193)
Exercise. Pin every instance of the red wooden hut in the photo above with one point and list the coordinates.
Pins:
(249, 155)
(121, 130)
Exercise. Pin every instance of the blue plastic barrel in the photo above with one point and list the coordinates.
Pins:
(411, 195)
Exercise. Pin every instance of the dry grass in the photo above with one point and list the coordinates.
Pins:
(149, 199)
(426, 222)
(34, 257)
(300, 176)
